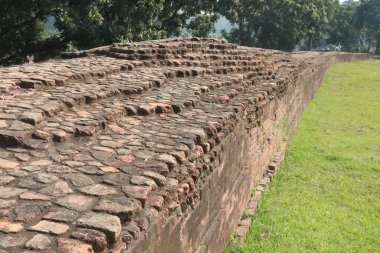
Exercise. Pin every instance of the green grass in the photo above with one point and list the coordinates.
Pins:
(326, 196)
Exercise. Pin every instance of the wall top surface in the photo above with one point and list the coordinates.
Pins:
(93, 149)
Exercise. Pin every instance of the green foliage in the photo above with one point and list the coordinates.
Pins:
(202, 25)
(368, 17)
(88, 23)
(84, 24)
(355, 26)
(175, 14)
(342, 30)
(325, 197)
(22, 31)
(233, 246)
(278, 24)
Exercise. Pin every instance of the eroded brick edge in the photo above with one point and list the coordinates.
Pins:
(245, 222)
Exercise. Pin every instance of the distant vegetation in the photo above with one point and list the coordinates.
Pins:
(45, 28)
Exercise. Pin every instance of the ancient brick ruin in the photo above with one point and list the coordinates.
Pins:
(144, 147)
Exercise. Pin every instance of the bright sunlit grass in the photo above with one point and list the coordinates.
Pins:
(326, 196)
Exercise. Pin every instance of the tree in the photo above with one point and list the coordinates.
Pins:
(89, 23)
(316, 15)
(279, 24)
(202, 25)
(175, 15)
(343, 32)
(368, 17)
(22, 31)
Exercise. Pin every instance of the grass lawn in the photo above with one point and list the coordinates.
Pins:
(326, 196)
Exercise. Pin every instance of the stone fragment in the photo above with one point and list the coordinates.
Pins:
(162, 108)
(20, 126)
(95, 238)
(73, 246)
(5, 164)
(224, 99)
(33, 196)
(3, 124)
(101, 155)
(116, 179)
(59, 135)
(104, 149)
(127, 158)
(55, 168)
(159, 167)
(180, 156)
(98, 190)
(22, 157)
(8, 227)
(124, 208)
(49, 227)
(31, 168)
(146, 110)
(199, 133)
(46, 178)
(151, 214)
(42, 135)
(156, 201)
(69, 102)
(146, 155)
(73, 163)
(76, 202)
(108, 224)
(9, 192)
(131, 110)
(38, 242)
(9, 241)
(29, 210)
(29, 184)
(56, 189)
(171, 183)
(134, 230)
(12, 138)
(51, 108)
(168, 159)
(35, 144)
(6, 180)
(41, 163)
(7, 116)
(91, 170)
(111, 144)
(84, 131)
(17, 173)
(140, 193)
(4, 213)
(109, 169)
(139, 180)
(61, 215)
(7, 203)
(79, 180)
(32, 118)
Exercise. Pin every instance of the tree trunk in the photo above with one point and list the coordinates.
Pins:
(377, 51)
(309, 44)
(241, 32)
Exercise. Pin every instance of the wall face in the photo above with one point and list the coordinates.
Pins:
(244, 157)
(144, 147)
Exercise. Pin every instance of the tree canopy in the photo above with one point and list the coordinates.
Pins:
(278, 24)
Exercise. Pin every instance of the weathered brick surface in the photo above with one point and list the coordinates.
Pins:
(149, 146)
